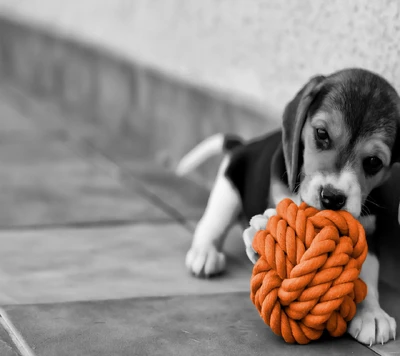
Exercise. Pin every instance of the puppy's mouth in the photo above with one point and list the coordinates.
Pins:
(351, 206)
(314, 204)
(332, 192)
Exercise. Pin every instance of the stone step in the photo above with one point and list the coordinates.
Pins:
(97, 263)
(219, 324)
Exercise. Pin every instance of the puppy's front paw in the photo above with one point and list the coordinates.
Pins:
(257, 222)
(204, 261)
(372, 325)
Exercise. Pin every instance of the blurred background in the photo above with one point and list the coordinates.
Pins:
(99, 99)
(156, 66)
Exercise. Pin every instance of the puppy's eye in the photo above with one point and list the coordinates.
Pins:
(322, 138)
(372, 165)
(322, 134)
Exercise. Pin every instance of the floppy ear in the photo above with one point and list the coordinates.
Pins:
(294, 117)
(396, 147)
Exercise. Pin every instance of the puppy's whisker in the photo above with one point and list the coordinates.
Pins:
(297, 186)
(369, 200)
(365, 210)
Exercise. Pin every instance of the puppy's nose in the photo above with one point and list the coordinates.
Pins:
(332, 198)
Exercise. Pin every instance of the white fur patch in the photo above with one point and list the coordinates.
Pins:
(371, 323)
(224, 204)
(369, 223)
(370, 275)
(346, 181)
(211, 146)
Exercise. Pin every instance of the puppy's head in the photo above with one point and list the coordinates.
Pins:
(341, 135)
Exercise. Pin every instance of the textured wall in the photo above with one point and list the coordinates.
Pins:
(262, 50)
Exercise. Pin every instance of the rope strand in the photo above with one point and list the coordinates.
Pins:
(306, 279)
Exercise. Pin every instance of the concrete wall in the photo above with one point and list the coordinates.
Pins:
(258, 50)
(144, 70)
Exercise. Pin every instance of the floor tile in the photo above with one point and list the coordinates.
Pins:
(34, 152)
(389, 299)
(13, 122)
(101, 263)
(22, 115)
(186, 198)
(46, 183)
(71, 194)
(222, 324)
(7, 347)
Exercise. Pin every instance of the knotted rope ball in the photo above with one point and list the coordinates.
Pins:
(306, 279)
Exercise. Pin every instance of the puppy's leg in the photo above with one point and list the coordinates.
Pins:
(223, 207)
(371, 323)
(278, 191)
(257, 222)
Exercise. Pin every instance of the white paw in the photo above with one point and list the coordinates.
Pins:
(257, 222)
(205, 261)
(372, 325)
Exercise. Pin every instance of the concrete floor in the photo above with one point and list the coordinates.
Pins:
(77, 226)
(92, 253)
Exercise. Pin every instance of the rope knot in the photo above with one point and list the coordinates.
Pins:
(306, 279)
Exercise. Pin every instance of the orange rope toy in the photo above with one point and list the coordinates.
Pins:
(306, 279)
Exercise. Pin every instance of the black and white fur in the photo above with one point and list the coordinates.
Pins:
(339, 140)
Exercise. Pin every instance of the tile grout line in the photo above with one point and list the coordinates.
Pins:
(15, 335)
(116, 168)
(373, 350)
(109, 162)
(146, 193)
(87, 224)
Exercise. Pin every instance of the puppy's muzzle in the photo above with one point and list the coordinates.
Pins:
(332, 198)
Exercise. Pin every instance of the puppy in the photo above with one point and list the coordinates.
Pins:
(339, 139)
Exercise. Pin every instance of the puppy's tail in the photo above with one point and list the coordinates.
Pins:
(211, 146)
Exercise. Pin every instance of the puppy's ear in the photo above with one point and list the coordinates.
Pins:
(294, 117)
(396, 147)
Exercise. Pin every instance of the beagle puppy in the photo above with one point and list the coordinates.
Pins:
(339, 140)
